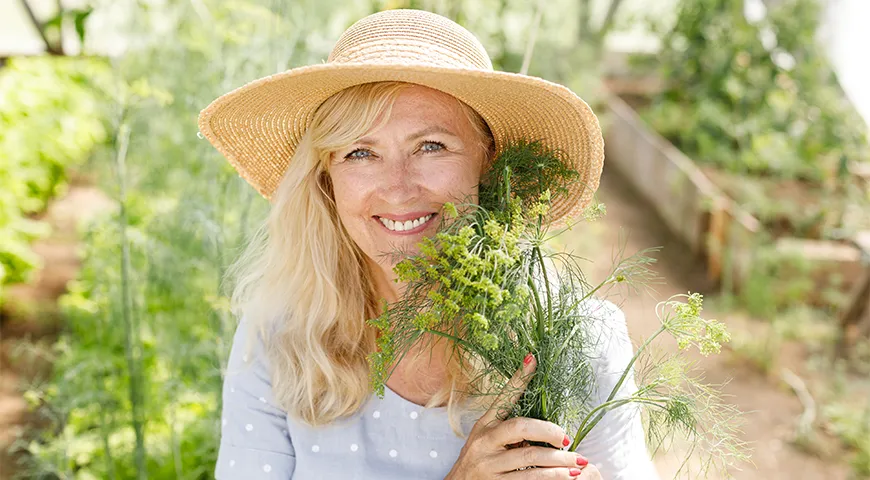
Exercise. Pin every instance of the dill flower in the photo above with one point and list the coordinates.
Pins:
(487, 283)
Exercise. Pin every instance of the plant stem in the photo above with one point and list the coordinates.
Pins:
(110, 461)
(608, 21)
(40, 29)
(586, 428)
(539, 309)
(587, 425)
(533, 37)
(549, 320)
(547, 287)
(130, 329)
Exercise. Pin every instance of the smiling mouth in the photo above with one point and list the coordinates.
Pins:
(408, 226)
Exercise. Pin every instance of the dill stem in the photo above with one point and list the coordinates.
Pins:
(539, 310)
(587, 425)
(577, 327)
(546, 286)
(587, 296)
(584, 427)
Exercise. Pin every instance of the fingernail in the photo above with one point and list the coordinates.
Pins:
(574, 472)
(566, 441)
(582, 461)
(528, 359)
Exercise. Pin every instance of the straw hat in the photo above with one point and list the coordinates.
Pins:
(258, 126)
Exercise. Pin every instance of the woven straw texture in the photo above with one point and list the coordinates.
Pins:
(258, 126)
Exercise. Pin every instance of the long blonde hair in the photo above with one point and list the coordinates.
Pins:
(303, 286)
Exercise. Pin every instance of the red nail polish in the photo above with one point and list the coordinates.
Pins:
(574, 472)
(528, 359)
(582, 461)
(566, 441)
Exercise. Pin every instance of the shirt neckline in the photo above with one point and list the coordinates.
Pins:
(389, 391)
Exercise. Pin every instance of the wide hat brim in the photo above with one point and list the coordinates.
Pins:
(258, 126)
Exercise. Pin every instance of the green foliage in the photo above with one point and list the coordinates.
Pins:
(135, 390)
(733, 103)
(52, 116)
(527, 171)
(486, 283)
(852, 425)
(776, 280)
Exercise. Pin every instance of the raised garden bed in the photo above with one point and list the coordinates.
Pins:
(695, 205)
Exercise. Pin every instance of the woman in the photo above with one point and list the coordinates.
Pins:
(358, 156)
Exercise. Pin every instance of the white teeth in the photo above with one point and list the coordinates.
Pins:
(407, 225)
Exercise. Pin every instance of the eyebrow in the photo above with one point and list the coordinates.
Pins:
(422, 133)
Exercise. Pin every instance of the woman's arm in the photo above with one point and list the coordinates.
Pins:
(617, 444)
(254, 439)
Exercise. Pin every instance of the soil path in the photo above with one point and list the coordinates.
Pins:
(771, 408)
(29, 320)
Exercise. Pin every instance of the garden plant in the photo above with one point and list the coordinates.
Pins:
(488, 284)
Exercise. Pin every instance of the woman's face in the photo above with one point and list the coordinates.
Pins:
(390, 185)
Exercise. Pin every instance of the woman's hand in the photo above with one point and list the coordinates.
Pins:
(487, 453)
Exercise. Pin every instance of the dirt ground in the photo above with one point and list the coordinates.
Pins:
(29, 313)
(771, 407)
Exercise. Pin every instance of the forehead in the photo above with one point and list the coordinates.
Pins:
(418, 105)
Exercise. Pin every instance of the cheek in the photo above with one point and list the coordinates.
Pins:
(349, 194)
(459, 180)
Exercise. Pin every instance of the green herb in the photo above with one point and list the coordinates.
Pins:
(487, 283)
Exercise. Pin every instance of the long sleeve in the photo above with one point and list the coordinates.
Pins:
(617, 444)
(255, 442)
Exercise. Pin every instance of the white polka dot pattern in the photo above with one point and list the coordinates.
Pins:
(390, 437)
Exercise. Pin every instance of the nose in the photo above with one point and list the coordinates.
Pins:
(400, 185)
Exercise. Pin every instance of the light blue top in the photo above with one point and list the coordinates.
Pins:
(392, 438)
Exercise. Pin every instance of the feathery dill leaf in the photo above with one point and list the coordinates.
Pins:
(487, 283)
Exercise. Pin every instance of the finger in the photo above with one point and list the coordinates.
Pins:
(511, 393)
(590, 472)
(523, 428)
(553, 473)
(539, 457)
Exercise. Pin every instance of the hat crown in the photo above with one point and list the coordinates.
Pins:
(410, 37)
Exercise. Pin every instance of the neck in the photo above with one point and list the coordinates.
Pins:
(422, 372)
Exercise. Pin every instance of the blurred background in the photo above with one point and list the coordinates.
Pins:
(736, 139)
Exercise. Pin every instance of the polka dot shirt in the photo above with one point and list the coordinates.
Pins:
(389, 438)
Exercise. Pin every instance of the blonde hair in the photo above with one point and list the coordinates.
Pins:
(303, 286)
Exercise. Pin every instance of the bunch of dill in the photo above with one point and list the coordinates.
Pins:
(487, 283)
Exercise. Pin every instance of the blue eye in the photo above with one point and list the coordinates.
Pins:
(364, 153)
(440, 146)
(353, 155)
